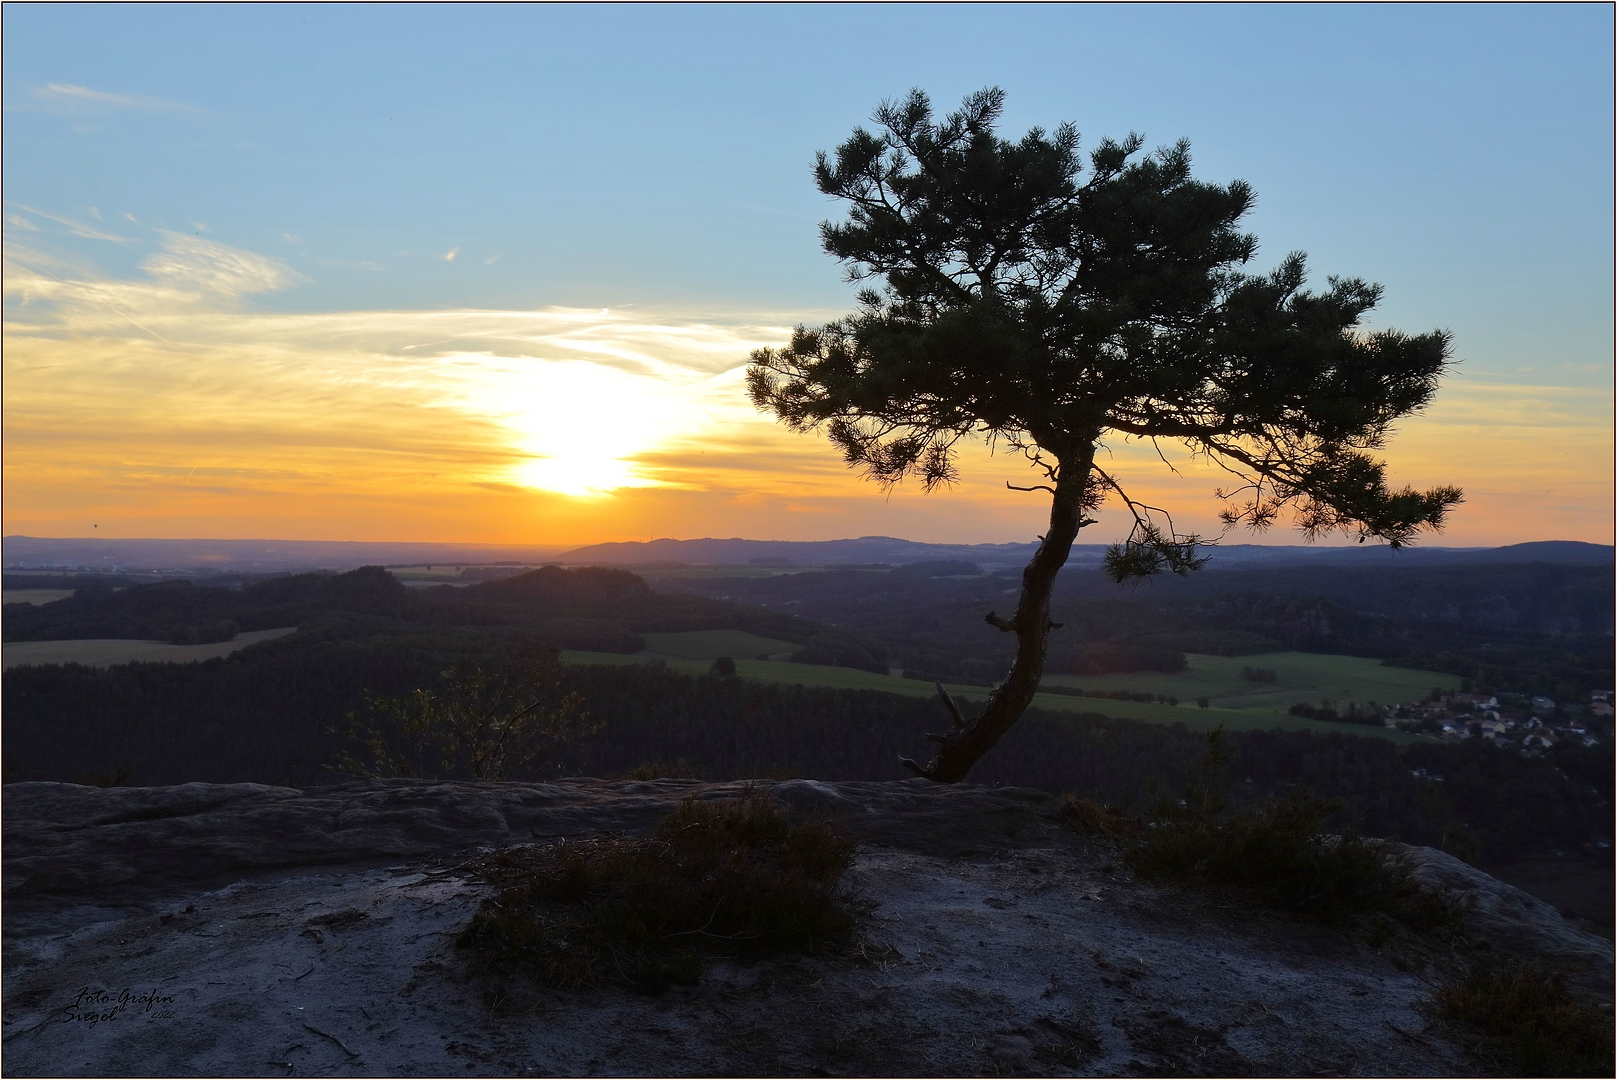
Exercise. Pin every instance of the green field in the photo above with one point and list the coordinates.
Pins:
(1237, 704)
(104, 652)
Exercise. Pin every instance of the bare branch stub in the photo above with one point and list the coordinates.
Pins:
(949, 703)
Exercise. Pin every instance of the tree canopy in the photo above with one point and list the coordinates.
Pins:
(1023, 301)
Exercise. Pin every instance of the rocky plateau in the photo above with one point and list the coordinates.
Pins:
(249, 930)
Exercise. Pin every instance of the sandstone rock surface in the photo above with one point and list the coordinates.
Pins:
(251, 930)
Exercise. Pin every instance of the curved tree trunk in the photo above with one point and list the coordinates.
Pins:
(959, 749)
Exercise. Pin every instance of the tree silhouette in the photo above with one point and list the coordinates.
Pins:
(1049, 315)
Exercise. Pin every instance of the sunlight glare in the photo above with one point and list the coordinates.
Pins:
(583, 424)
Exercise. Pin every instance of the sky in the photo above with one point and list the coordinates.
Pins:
(492, 274)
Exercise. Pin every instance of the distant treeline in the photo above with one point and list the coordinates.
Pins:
(265, 715)
(1565, 667)
(595, 609)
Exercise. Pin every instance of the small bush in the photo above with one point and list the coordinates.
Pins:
(1275, 851)
(1526, 1019)
(741, 874)
(724, 667)
(1259, 675)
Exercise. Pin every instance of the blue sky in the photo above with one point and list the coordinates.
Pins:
(656, 159)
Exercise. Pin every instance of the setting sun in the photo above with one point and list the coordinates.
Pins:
(579, 425)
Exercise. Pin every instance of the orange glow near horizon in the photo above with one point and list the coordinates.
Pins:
(158, 409)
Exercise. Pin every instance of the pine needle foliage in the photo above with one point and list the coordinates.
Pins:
(1056, 306)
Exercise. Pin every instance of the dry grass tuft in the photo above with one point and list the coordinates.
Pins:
(1525, 1020)
(741, 875)
(1093, 818)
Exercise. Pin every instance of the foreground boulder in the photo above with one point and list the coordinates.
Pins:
(243, 929)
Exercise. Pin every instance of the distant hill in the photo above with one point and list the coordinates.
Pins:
(250, 556)
(739, 552)
(887, 549)
(216, 557)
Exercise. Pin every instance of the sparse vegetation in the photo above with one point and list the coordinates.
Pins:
(1527, 1022)
(1278, 852)
(742, 875)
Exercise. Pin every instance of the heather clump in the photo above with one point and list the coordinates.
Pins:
(738, 876)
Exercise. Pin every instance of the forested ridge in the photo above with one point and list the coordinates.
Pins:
(270, 713)
(267, 715)
(591, 608)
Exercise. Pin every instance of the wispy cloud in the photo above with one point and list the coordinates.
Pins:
(216, 268)
(449, 256)
(76, 228)
(67, 97)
